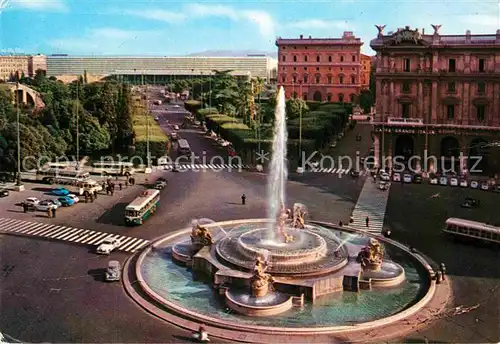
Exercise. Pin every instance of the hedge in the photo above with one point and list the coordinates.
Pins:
(192, 105)
(202, 113)
(230, 126)
(221, 119)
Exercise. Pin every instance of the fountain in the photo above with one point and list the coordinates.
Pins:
(265, 268)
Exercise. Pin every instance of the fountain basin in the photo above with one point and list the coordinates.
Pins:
(273, 303)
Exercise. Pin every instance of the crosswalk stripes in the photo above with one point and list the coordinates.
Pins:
(203, 167)
(70, 234)
(372, 203)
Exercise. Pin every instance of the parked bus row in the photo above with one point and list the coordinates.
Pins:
(106, 168)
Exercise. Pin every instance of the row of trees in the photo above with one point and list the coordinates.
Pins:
(104, 120)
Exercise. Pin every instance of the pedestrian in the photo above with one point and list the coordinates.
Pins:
(91, 198)
(351, 219)
(120, 185)
(367, 220)
(49, 213)
(243, 199)
(116, 178)
(112, 190)
(86, 197)
(25, 208)
(126, 183)
(132, 181)
(95, 194)
(341, 223)
(103, 186)
(54, 212)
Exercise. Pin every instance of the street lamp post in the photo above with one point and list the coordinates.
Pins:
(19, 186)
(77, 122)
(201, 91)
(300, 120)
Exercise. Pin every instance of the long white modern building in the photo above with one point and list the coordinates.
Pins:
(162, 69)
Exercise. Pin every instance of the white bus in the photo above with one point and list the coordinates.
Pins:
(472, 230)
(142, 207)
(76, 182)
(113, 168)
(183, 147)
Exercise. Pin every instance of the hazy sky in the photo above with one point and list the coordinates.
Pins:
(160, 27)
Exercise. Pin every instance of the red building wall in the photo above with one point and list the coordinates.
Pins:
(325, 69)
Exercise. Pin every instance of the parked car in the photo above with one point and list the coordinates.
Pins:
(108, 245)
(66, 201)
(74, 198)
(354, 173)
(113, 272)
(454, 182)
(443, 181)
(485, 186)
(407, 178)
(31, 201)
(474, 184)
(4, 192)
(176, 127)
(174, 136)
(396, 177)
(382, 185)
(157, 118)
(385, 176)
(434, 181)
(473, 201)
(466, 204)
(496, 188)
(417, 179)
(45, 205)
(54, 201)
(60, 192)
(463, 183)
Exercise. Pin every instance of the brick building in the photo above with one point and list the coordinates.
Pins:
(440, 94)
(366, 67)
(17, 65)
(322, 69)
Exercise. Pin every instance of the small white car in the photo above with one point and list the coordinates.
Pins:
(31, 201)
(108, 245)
(113, 272)
(176, 127)
(385, 176)
(225, 143)
(396, 177)
(407, 178)
(45, 205)
(454, 182)
(434, 181)
(463, 183)
(474, 184)
(74, 197)
(485, 186)
(443, 181)
(176, 106)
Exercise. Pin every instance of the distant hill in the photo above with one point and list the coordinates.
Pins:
(233, 53)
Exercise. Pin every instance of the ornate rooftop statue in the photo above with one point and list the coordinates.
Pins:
(436, 28)
(380, 29)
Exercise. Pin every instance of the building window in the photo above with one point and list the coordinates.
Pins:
(480, 112)
(352, 98)
(329, 97)
(341, 97)
(481, 65)
(450, 111)
(304, 96)
(451, 87)
(405, 110)
(305, 68)
(353, 58)
(451, 65)
(317, 79)
(305, 79)
(305, 58)
(283, 79)
(283, 58)
(406, 65)
(329, 59)
(341, 58)
(481, 87)
(341, 79)
(294, 79)
(294, 69)
(294, 58)
(317, 69)
(406, 87)
(353, 79)
(317, 59)
(329, 79)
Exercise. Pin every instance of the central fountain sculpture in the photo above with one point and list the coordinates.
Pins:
(270, 268)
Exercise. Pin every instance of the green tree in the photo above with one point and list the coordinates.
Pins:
(366, 100)
(124, 117)
(294, 107)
